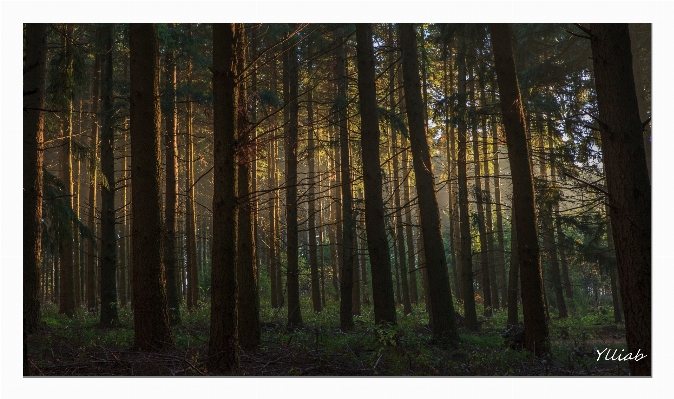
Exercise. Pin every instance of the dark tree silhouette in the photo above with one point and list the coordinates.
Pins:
(442, 308)
(533, 303)
(151, 319)
(33, 160)
(223, 351)
(627, 180)
(377, 243)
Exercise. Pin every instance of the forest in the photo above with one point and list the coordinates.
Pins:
(333, 199)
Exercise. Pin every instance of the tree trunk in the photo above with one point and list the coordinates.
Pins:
(248, 302)
(641, 90)
(66, 270)
(488, 214)
(273, 263)
(382, 283)
(294, 310)
(274, 268)
(400, 236)
(223, 351)
(409, 237)
(255, 38)
(407, 205)
(122, 232)
(484, 255)
(451, 170)
(108, 283)
(34, 85)
(313, 250)
(503, 283)
(171, 210)
(465, 252)
(346, 286)
(190, 225)
(151, 319)
(91, 289)
(628, 183)
(334, 223)
(436, 264)
(549, 236)
(533, 303)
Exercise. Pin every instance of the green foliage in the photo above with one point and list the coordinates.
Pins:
(397, 121)
(66, 75)
(83, 152)
(269, 99)
(58, 217)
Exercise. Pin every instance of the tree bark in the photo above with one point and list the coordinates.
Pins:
(436, 264)
(313, 250)
(274, 268)
(151, 319)
(400, 236)
(642, 89)
(380, 263)
(549, 236)
(533, 303)
(465, 252)
(628, 183)
(500, 255)
(34, 87)
(92, 251)
(171, 210)
(488, 211)
(346, 286)
(223, 351)
(108, 282)
(122, 232)
(190, 223)
(66, 270)
(294, 310)
(273, 263)
(248, 302)
(484, 255)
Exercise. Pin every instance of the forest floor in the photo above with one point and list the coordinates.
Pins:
(77, 347)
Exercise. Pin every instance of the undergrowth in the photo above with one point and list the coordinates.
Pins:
(320, 347)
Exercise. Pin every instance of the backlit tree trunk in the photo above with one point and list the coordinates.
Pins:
(313, 250)
(66, 270)
(92, 253)
(34, 85)
(488, 214)
(190, 222)
(500, 252)
(171, 210)
(484, 256)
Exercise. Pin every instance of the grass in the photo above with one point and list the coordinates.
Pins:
(320, 347)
